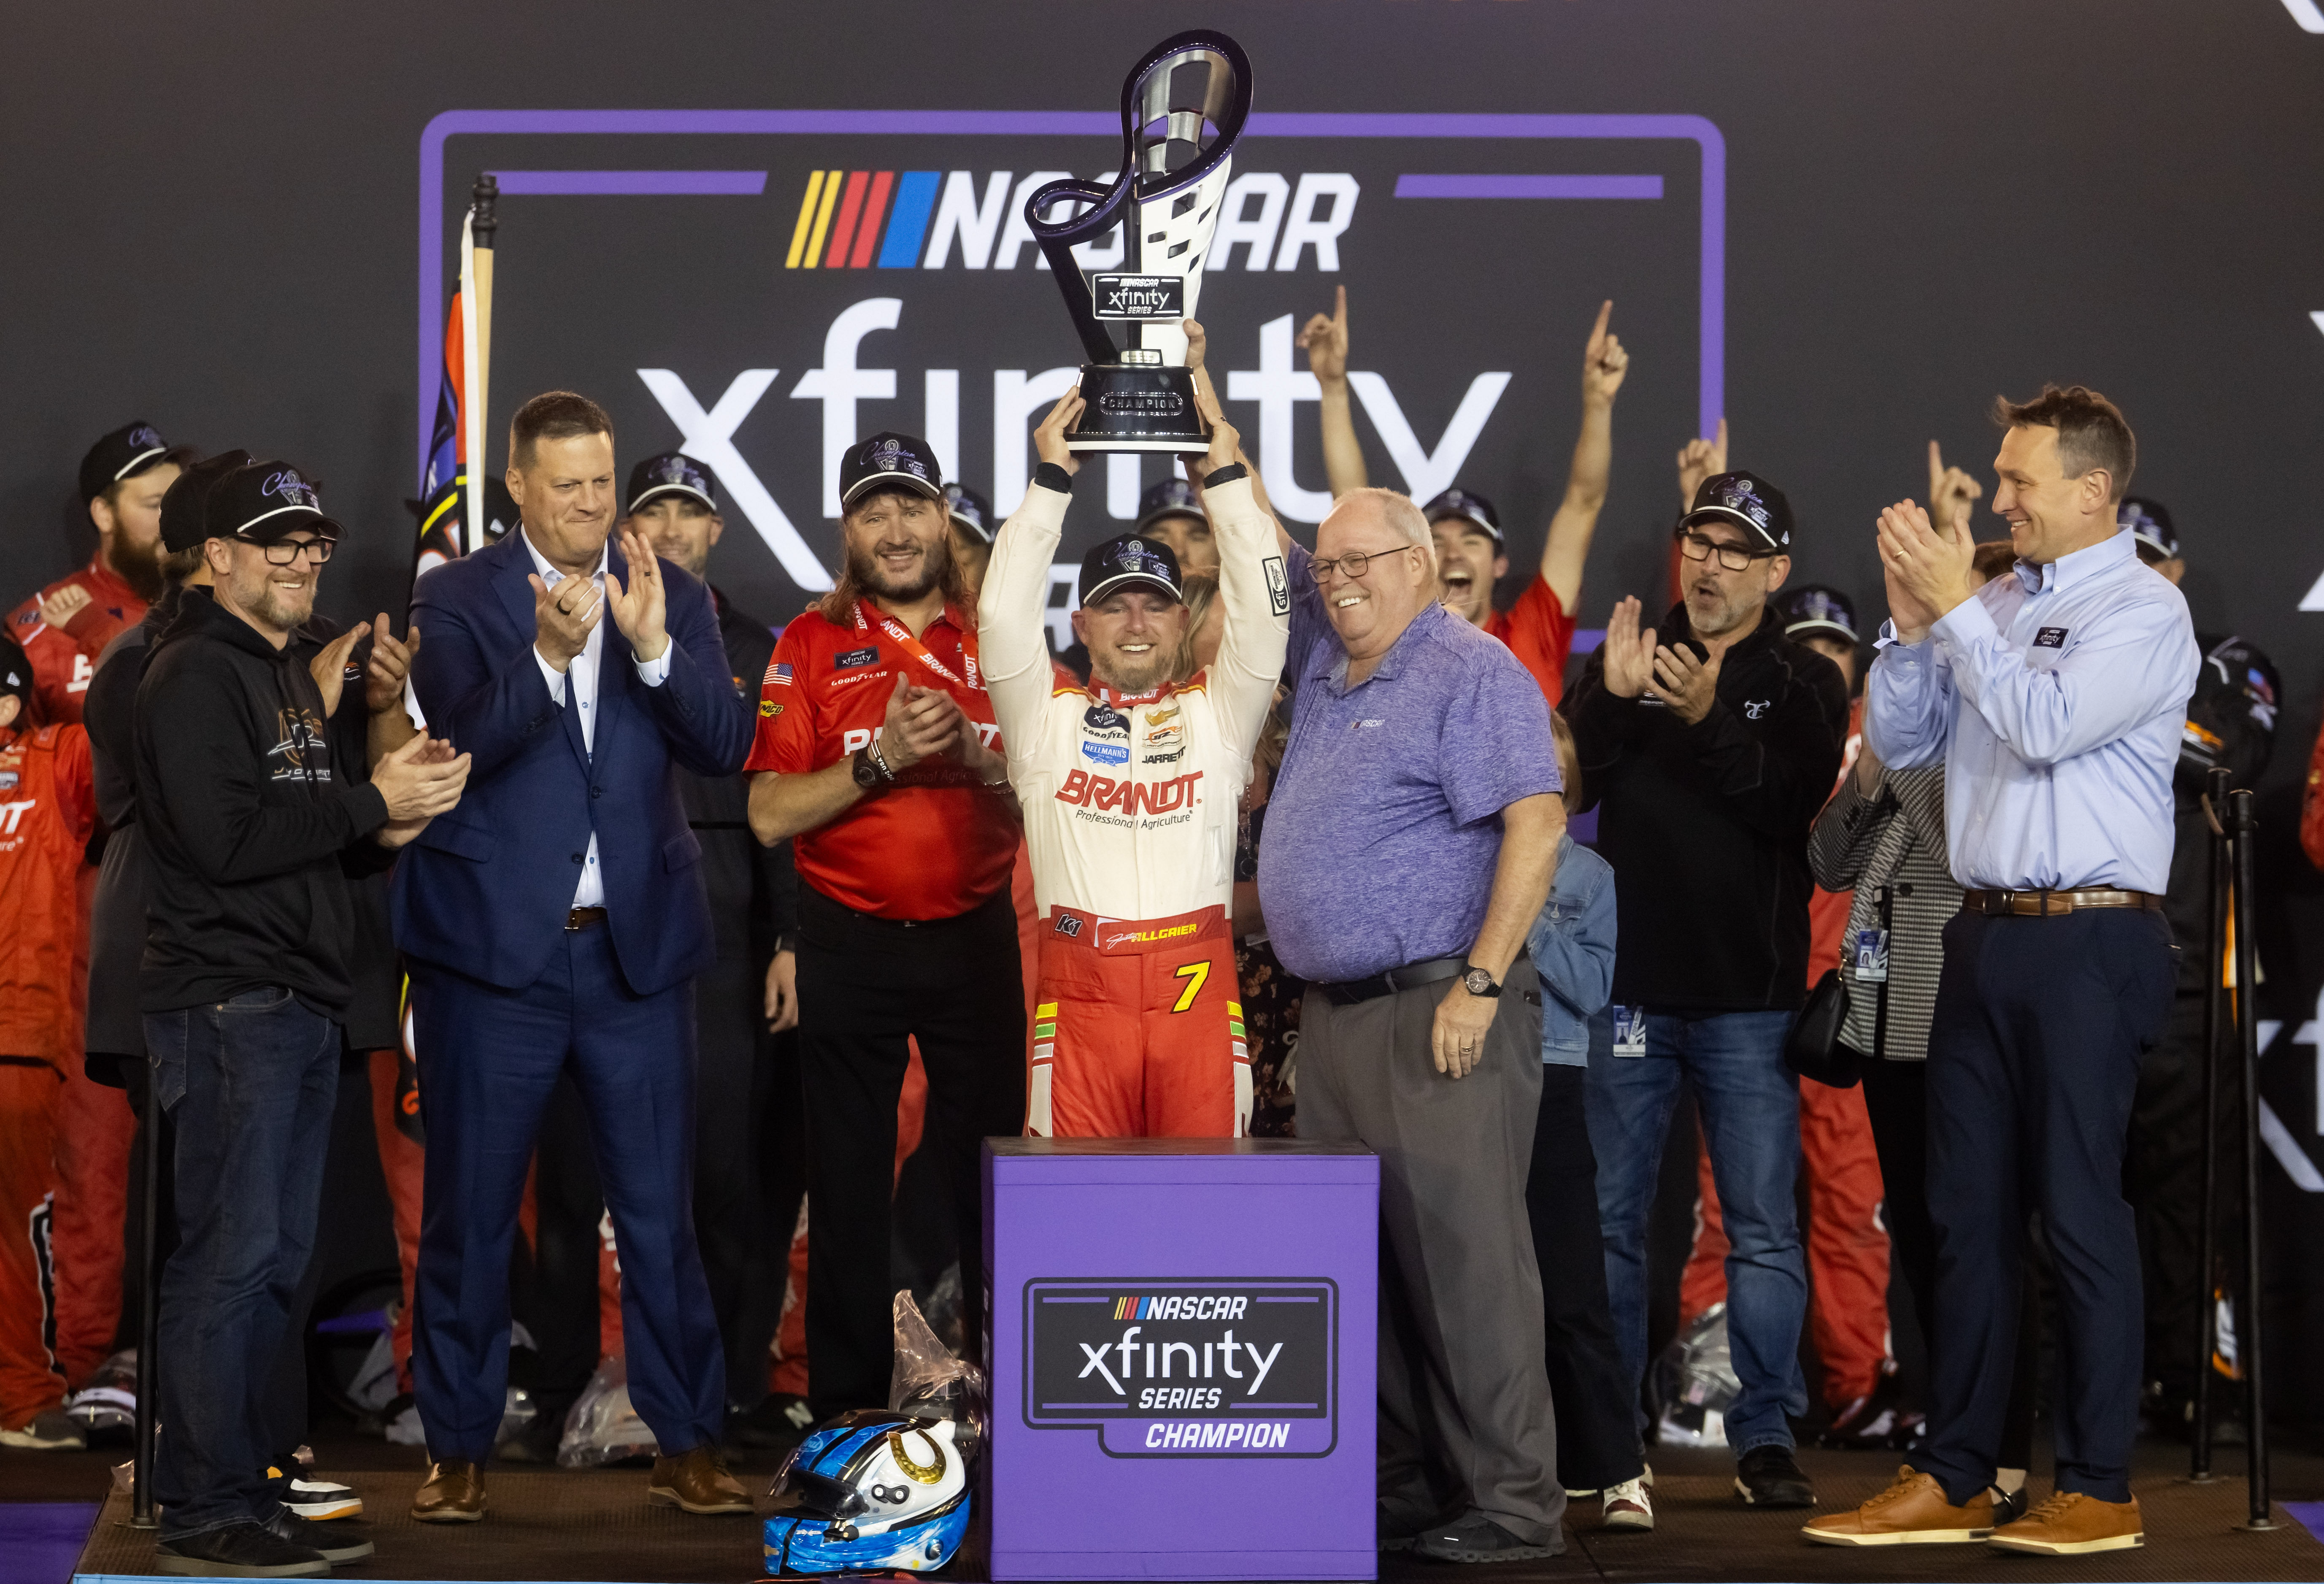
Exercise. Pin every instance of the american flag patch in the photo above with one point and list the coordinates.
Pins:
(778, 675)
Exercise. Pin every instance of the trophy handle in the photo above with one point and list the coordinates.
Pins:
(1059, 239)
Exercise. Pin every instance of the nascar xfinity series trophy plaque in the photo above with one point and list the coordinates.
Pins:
(1182, 109)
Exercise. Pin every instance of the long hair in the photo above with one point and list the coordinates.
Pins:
(838, 606)
(1200, 594)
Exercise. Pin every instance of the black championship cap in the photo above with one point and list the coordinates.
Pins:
(1172, 497)
(2149, 521)
(971, 511)
(263, 503)
(1128, 561)
(125, 453)
(673, 472)
(1470, 507)
(16, 677)
(1748, 501)
(185, 503)
(1818, 609)
(889, 460)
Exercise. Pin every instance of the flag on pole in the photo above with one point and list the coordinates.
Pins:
(457, 513)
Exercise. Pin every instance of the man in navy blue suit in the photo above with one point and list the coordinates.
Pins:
(555, 924)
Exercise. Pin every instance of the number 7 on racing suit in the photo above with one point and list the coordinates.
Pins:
(1131, 789)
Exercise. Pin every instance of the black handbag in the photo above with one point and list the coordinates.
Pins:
(1813, 1049)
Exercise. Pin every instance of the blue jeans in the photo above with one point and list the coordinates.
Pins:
(261, 1074)
(1750, 1107)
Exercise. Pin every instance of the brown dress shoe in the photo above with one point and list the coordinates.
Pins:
(454, 1494)
(2070, 1524)
(1913, 1511)
(697, 1482)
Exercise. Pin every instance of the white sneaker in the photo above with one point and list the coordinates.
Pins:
(49, 1431)
(1628, 1506)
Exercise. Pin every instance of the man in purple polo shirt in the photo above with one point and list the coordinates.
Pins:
(1410, 840)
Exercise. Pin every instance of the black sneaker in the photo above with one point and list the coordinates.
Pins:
(342, 1541)
(1770, 1477)
(1475, 1537)
(319, 1499)
(1872, 1421)
(778, 1423)
(239, 1550)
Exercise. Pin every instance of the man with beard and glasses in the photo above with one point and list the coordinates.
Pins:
(1708, 754)
(878, 751)
(1131, 789)
(65, 627)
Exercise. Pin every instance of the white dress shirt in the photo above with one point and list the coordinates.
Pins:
(581, 673)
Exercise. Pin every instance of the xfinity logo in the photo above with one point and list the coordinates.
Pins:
(1203, 1369)
(1140, 297)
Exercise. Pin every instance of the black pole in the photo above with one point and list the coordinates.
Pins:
(484, 200)
(2215, 1010)
(149, 1323)
(2245, 828)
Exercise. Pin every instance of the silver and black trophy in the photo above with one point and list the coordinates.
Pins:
(1182, 109)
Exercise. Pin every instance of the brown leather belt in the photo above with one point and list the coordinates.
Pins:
(2053, 904)
(583, 917)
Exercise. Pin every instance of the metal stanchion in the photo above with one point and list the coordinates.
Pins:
(148, 1324)
(2243, 829)
(2215, 1028)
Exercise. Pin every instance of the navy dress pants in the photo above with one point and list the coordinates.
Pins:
(488, 1060)
(2034, 1058)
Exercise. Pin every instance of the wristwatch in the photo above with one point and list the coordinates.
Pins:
(871, 774)
(1477, 982)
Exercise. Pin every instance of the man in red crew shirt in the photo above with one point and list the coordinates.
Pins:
(67, 625)
(878, 753)
(1471, 553)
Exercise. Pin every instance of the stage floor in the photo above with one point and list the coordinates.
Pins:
(596, 1525)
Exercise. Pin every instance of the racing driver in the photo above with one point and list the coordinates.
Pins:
(1131, 786)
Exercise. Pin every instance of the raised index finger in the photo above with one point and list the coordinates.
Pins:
(1598, 330)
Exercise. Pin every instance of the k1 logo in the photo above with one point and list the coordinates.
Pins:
(1225, 1368)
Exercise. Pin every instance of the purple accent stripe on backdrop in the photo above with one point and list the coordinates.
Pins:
(1102, 123)
(634, 183)
(1528, 187)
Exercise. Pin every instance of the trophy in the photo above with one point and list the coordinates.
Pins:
(1182, 109)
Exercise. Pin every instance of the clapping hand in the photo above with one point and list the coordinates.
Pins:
(639, 610)
(1689, 686)
(562, 617)
(1926, 570)
(1699, 460)
(1325, 337)
(418, 781)
(1604, 362)
(1628, 652)
(922, 722)
(1951, 491)
(390, 665)
(329, 668)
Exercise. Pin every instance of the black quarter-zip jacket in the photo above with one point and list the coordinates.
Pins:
(1707, 825)
(252, 836)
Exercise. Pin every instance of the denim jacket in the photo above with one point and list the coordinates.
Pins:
(1572, 946)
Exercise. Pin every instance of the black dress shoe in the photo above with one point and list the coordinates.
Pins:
(343, 1541)
(1770, 1477)
(239, 1550)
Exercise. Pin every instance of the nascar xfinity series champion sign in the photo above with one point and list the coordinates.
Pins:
(1183, 1357)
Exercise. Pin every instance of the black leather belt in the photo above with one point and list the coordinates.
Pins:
(1411, 976)
(2053, 904)
(583, 917)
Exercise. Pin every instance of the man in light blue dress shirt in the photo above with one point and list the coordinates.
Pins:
(2056, 698)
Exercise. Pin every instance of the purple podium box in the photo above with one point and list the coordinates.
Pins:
(1182, 1358)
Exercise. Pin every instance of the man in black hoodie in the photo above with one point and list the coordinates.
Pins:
(1708, 756)
(255, 836)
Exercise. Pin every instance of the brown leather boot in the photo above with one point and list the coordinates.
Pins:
(2070, 1524)
(697, 1482)
(454, 1494)
(1913, 1511)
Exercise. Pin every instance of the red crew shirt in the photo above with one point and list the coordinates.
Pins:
(64, 627)
(48, 808)
(924, 849)
(1539, 632)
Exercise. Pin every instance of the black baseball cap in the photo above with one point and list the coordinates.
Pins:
(1816, 608)
(1125, 561)
(125, 453)
(2149, 521)
(15, 673)
(1748, 501)
(673, 472)
(971, 511)
(262, 503)
(889, 460)
(1172, 497)
(184, 504)
(1468, 505)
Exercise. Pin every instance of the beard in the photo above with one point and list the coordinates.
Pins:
(864, 570)
(1127, 675)
(284, 611)
(139, 565)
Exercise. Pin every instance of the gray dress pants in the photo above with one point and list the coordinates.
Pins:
(1464, 1408)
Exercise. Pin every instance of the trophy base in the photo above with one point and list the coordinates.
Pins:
(1135, 408)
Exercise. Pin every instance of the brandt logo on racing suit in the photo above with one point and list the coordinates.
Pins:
(1181, 1368)
(1085, 790)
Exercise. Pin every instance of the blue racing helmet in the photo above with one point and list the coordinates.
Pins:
(870, 1490)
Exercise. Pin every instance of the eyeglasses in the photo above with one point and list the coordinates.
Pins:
(283, 552)
(1355, 563)
(1695, 546)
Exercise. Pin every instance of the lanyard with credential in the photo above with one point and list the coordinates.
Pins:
(867, 618)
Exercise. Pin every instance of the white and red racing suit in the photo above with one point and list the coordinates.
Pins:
(1132, 805)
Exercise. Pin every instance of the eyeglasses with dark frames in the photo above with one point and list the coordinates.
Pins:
(1696, 546)
(284, 552)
